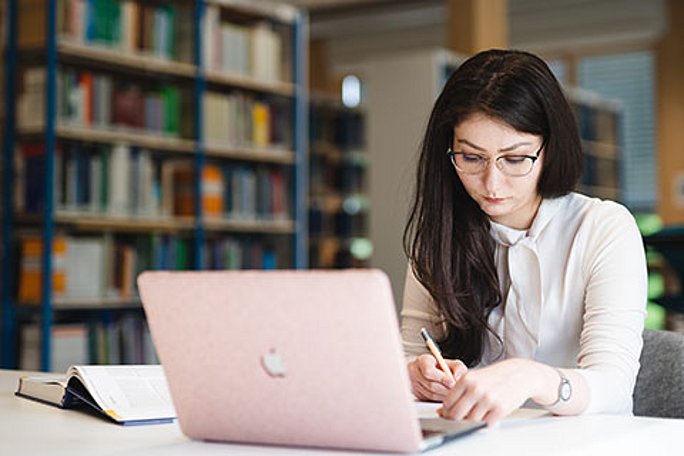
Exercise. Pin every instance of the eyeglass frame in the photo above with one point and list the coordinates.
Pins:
(451, 154)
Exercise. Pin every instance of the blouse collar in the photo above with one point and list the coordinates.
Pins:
(508, 236)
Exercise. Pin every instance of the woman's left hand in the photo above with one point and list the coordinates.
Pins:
(490, 393)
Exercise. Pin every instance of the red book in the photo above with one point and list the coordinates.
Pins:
(86, 83)
(128, 107)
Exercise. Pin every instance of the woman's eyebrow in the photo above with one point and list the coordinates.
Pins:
(465, 141)
(515, 146)
(505, 149)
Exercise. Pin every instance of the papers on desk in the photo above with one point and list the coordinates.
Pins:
(127, 395)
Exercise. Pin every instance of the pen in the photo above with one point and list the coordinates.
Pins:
(436, 352)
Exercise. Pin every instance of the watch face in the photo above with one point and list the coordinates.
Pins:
(565, 391)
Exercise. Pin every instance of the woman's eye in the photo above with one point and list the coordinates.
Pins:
(514, 159)
(471, 157)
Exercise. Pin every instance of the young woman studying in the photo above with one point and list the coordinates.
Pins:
(533, 292)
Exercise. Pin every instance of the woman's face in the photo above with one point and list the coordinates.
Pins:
(506, 199)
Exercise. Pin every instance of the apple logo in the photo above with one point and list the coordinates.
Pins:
(273, 364)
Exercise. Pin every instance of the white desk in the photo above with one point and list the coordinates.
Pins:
(28, 428)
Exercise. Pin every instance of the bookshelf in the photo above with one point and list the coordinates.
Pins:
(144, 135)
(598, 120)
(338, 202)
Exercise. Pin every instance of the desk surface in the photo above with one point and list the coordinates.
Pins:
(28, 427)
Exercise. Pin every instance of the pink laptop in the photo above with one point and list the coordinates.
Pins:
(303, 358)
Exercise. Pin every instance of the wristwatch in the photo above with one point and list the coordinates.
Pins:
(564, 390)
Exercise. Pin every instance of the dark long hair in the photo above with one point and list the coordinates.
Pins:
(447, 235)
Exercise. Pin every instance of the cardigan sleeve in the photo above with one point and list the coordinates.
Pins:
(418, 311)
(615, 308)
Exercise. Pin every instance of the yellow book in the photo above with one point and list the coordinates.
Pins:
(31, 274)
(260, 124)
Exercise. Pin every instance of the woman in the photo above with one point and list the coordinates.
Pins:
(532, 291)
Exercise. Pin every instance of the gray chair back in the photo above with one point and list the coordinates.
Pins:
(659, 389)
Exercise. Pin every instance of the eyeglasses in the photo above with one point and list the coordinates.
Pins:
(510, 165)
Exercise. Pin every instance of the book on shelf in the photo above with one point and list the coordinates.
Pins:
(69, 346)
(124, 394)
(125, 339)
(235, 253)
(30, 275)
(234, 191)
(163, 30)
(105, 180)
(254, 50)
(241, 120)
(90, 99)
(93, 270)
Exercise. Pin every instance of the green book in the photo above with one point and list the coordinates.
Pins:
(104, 179)
(171, 99)
(182, 255)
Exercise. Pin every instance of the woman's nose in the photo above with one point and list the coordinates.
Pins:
(492, 177)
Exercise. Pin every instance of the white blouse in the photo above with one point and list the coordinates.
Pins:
(574, 287)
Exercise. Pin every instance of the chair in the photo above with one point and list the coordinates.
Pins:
(659, 389)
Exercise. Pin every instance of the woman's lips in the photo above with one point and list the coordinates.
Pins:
(494, 200)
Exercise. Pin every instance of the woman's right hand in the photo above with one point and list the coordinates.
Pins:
(428, 381)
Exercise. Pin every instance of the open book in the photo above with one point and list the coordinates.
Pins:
(126, 394)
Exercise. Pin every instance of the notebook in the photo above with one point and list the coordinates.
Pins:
(297, 358)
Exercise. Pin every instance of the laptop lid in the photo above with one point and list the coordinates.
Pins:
(310, 358)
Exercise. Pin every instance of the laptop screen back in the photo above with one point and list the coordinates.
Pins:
(309, 358)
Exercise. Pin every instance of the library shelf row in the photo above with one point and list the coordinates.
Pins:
(161, 143)
(87, 304)
(88, 221)
(153, 66)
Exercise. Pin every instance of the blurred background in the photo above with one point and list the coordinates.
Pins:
(238, 134)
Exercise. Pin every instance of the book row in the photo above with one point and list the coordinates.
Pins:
(253, 50)
(89, 99)
(95, 271)
(241, 120)
(126, 340)
(244, 253)
(246, 192)
(341, 223)
(334, 176)
(342, 127)
(163, 30)
(122, 180)
(97, 268)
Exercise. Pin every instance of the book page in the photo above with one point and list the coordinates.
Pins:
(128, 392)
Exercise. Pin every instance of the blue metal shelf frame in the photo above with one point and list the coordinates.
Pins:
(301, 140)
(200, 84)
(48, 200)
(8, 311)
